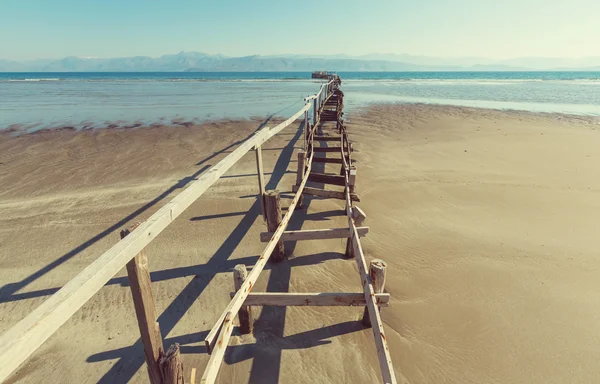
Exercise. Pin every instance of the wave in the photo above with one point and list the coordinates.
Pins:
(34, 80)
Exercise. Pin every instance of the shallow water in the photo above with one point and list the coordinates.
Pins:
(84, 100)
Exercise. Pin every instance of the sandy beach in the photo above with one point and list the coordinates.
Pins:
(487, 221)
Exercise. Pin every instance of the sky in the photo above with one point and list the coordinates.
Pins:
(499, 29)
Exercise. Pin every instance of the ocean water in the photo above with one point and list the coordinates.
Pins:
(33, 101)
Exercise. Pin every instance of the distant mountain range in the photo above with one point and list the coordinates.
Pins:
(201, 62)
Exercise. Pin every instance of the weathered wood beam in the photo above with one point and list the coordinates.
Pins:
(323, 299)
(383, 351)
(171, 366)
(261, 181)
(138, 274)
(329, 160)
(327, 193)
(326, 178)
(273, 210)
(327, 149)
(327, 138)
(240, 273)
(218, 352)
(314, 234)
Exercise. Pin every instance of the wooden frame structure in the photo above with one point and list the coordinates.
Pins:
(165, 367)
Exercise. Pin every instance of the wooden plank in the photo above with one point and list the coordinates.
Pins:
(327, 149)
(322, 299)
(329, 160)
(216, 358)
(383, 350)
(327, 138)
(261, 180)
(235, 304)
(27, 335)
(138, 274)
(314, 234)
(326, 178)
(326, 193)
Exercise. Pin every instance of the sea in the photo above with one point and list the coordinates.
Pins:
(34, 101)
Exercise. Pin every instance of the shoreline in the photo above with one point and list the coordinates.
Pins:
(25, 129)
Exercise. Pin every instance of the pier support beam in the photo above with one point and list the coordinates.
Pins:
(261, 180)
(171, 366)
(377, 272)
(145, 310)
(245, 313)
(300, 175)
(273, 210)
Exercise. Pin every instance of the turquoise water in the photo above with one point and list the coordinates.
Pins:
(85, 100)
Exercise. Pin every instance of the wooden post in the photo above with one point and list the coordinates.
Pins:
(261, 180)
(315, 112)
(245, 313)
(300, 175)
(145, 310)
(349, 254)
(377, 273)
(306, 130)
(171, 366)
(273, 210)
(352, 179)
(358, 215)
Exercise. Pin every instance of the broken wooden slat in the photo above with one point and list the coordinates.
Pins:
(326, 193)
(314, 234)
(322, 299)
(171, 366)
(326, 178)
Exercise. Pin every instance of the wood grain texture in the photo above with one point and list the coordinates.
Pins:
(323, 299)
(138, 274)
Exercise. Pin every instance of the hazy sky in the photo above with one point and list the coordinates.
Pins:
(447, 28)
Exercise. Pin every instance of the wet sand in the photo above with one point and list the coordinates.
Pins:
(487, 220)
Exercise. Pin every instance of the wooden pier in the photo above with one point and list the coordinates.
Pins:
(325, 141)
